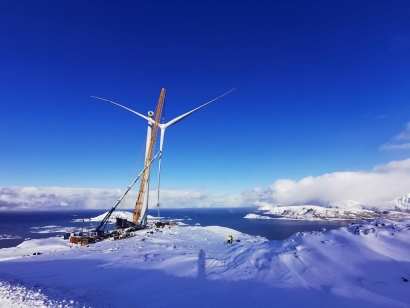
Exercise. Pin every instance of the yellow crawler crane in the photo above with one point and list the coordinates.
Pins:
(142, 192)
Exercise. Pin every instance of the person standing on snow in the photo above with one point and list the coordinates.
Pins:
(230, 240)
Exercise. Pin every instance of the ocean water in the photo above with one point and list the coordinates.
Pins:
(33, 225)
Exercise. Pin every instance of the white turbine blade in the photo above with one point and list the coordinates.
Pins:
(161, 142)
(138, 114)
(176, 120)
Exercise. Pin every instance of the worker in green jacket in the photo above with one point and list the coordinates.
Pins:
(230, 240)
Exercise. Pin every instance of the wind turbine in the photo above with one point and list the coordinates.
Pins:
(163, 127)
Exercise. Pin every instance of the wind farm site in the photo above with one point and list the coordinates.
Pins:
(126, 225)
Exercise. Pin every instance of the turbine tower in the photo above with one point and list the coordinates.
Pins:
(163, 127)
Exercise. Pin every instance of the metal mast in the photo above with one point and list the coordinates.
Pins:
(141, 205)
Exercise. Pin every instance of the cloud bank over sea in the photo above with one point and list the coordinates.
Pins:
(57, 198)
(374, 188)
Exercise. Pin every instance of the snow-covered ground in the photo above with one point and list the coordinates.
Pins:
(363, 265)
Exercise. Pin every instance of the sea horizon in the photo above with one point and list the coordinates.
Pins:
(22, 225)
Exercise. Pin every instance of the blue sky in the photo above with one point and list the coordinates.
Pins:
(320, 86)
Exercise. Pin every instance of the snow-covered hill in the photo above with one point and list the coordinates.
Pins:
(349, 210)
(363, 265)
(313, 212)
(403, 203)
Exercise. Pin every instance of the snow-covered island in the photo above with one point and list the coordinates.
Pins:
(113, 217)
(314, 212)
(363, 265)
(8, 237)
(256, 216)
(350, 210)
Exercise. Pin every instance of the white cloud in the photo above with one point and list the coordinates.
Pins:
(404, 135)
(56, 198)
(388, 146)
(398, 142)
(32, 198)
(376, 187)
(372, 188)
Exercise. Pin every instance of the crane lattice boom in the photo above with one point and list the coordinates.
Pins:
(145, 177)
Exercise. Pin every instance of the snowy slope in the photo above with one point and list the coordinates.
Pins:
(364, 265)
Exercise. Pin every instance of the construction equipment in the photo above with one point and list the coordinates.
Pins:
(144, 184)
(103, 223)
(141, 205)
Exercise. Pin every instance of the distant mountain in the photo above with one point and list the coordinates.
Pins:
(314, 212)
(402, 203)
